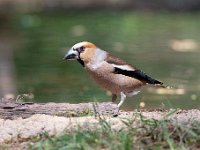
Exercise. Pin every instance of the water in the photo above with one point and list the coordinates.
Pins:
(164, 45)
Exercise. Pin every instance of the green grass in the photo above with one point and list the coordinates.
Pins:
(150, 134)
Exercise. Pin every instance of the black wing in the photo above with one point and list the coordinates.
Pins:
(138, 74)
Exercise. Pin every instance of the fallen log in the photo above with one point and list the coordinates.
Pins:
(10, 109)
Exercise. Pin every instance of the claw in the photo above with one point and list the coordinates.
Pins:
(116, 112)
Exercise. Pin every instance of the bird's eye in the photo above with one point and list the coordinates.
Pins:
(81, 48)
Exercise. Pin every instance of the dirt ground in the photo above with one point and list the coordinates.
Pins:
(21, 128)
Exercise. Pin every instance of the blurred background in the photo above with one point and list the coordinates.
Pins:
(159, 36)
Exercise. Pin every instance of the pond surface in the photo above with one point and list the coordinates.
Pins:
(164, 45)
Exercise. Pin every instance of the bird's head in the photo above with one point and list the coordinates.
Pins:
(83, 52)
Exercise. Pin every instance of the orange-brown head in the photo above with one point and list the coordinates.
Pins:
(83, 51)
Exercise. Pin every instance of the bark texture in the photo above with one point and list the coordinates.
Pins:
(9, 109)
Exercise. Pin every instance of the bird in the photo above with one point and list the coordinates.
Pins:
(111, 73)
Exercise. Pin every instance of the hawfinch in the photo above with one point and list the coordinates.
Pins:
(110, 72)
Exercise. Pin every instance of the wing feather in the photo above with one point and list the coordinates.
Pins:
(116, 61)
(138, 74)
(121, 67)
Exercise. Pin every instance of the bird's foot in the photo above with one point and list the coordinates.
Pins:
(116, 112)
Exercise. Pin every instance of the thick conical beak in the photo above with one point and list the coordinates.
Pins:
(71, 55)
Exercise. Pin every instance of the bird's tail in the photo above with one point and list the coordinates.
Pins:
(159, 84)
(154, 81)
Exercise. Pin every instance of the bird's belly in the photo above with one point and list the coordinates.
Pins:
(115, 83)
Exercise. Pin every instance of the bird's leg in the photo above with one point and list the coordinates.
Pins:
(123, 97)
(114, 97)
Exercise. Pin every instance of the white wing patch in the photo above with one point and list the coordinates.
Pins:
(123, 67)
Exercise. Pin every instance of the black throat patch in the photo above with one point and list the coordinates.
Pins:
(81, 62)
